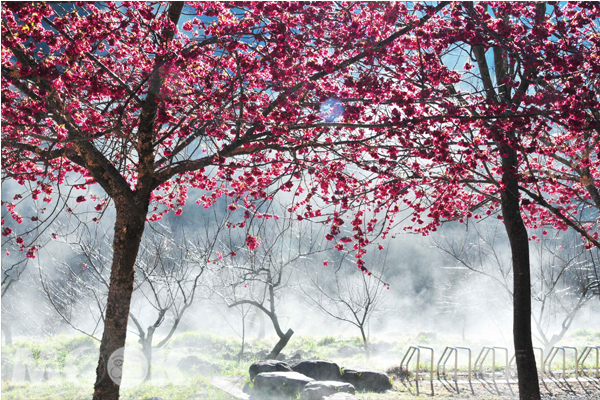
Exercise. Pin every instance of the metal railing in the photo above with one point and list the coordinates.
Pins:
(446, 356)
(553, 354)
(409, 355)
(584, 355)
(483, 355)
(544, 367)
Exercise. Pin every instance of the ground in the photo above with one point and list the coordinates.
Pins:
(58, 368)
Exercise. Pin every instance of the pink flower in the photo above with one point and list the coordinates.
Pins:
(252, 242)
(80, 199)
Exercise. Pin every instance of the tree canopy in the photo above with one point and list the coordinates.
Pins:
(455, 110)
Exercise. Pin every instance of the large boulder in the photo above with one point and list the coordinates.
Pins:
(316, 390)
(371, 381)
(268, 366)
(319, 370)
(280, 384)
(341, 396)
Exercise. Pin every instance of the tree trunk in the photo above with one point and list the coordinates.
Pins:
(129, 228)
(283, 341)
(365, 343)
(147, 350)
(529, 387)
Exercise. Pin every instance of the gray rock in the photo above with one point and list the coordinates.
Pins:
(268, 366)
(319, 370)
(341, 396)
(316, 390)
(371, 381)
(280, 384)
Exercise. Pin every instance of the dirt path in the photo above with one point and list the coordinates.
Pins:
(581, 388)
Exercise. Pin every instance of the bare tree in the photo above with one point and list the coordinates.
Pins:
(352, 298)
(262, 276)
(564, 274)
(168, 267)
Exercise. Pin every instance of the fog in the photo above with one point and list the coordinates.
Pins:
(429, 290)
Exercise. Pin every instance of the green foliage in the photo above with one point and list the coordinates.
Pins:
(426, 337)
(585, 333)
(327, 340)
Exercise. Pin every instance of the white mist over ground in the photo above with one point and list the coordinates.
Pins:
(431, 296)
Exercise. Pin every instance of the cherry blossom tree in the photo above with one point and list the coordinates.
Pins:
(492, 112)
(457, 111)
(149, 100)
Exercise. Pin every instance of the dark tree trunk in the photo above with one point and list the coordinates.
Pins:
(529, 387)
(283, 341)
(129, 228)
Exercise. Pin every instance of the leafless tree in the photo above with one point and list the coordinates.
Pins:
(565, 275)
(169, 268)
(351, 297)
(261, 277)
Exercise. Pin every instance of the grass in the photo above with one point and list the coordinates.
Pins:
(71, 370)
(196, 388)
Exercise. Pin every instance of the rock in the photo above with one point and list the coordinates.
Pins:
(276, 384)
(248, 389)
(316, 390)
(268, 366)
(195, 365)
(319, 370)
(341, 396)
(371, 381)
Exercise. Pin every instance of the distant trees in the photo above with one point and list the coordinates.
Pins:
(169, 271)
(565, 275)
(262, 276)
(348, 297)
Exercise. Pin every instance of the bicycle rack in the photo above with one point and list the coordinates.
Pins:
(482, 356)
(584, 355)
(447, 353)
(444, 359)
(409, 355)
(553, 354)
(543, 371)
